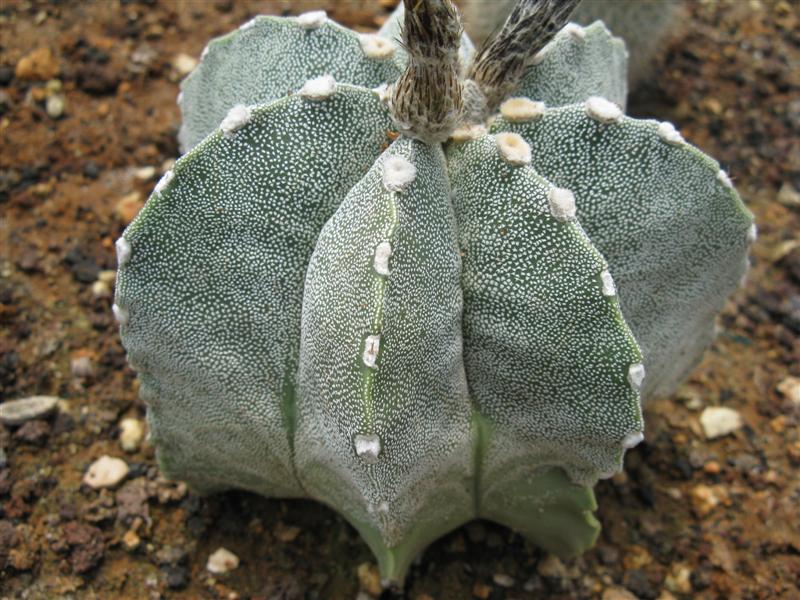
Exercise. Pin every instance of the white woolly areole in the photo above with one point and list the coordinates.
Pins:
(120, 314)
(609, 289)
(371, 346)
(237, 117)
(179, 98)
(245, 26)
(540, 55)
(636, 375)
(752, 233)
(375, 46)
(163, 182)
(204, 53)
(724, 179)
(123, 251)
(384, 93)
(562, 203)
(368, 447)
(467, 133)
(632, 440)
(603, 110)
(575, 31)
(312, 20)
(381, 262)
(318, 88)
(668, 133)
(513, 149)
(398, 173)
(521, 110)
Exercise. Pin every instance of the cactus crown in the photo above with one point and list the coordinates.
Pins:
(322, 300)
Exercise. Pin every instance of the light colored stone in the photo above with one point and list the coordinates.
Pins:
(222, 561)
(131, 433)
(718, 421)
(105, 472)
(81, 366)
(552, 567)
(790, 389)
(17, 412)
(679, 579)
(55, 106)
(184, 64)
(503, 580)
(369, 579)
(618, 593)
(145, 173)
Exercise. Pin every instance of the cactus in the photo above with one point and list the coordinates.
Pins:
(379, 293)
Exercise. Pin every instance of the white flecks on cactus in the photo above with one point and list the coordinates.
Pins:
(513, 149)
(372, 345)
(575, 31)
(603, 110)
(120, 314)
(319, 88)
(724, 178)
(636, 375)
(313, 19)
(521, 110)
(398, 173)
(123, 251)
(632, 440)
(668, 133)
(368, 447)
(162, 184)
(376, 47)
(609, 289)
(237, 117)
(752, 233)
(562, 204)
(381, 261)
(467, 133)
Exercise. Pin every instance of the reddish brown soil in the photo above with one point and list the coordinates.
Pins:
(691, 518)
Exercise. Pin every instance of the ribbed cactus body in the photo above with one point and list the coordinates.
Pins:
(416, 334)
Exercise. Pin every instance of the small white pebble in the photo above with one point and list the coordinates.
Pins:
(522, 110)
(368, 447)
(184, 64)
(602, 110)
(248, 25)
(81, 366)
(467, 133)
(513, 149)
(371, 346)
(609, 289)
(503, 580)
(222, 561)
(17, 412)
(381, 262)
(145, 173)
(636, 375)
(120, 314)
(106, 472)
(100, 289)
(724, 179)
(319, 88)
(752, 233)
(575, 31)
(632, 440)
(131, 433)
(237, 117)
(718, 421)
(312, 20)
(562, 203)
(398, 173)
(163, 182)
(123, 251)
(668, 133)
(375, 46)
(790, 389)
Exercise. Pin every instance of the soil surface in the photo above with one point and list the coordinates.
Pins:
(88, 123)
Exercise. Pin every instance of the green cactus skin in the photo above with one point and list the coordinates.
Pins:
(417, 335)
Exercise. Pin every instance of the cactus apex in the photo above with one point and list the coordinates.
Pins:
(237, 117)
(603, 110)
(521, 110)
(313, 19)
(562, 204)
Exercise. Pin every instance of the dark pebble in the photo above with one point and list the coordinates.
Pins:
(6, 75)
(176, 577)
(171, 555)
(636, 581)
(63, 423)
(91, 169)
(5, 102)
(84, 268)
(33, 432)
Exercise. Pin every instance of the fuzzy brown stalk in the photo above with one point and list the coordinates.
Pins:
(498, 68)
(426, 99)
